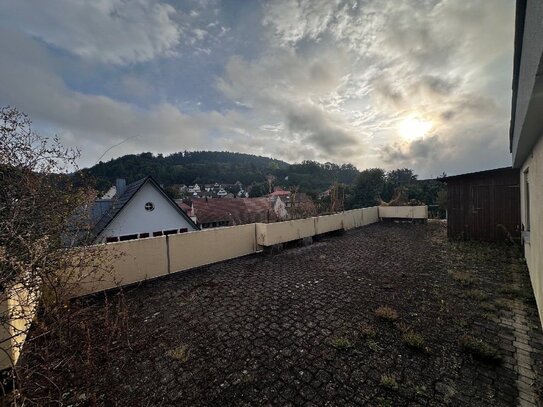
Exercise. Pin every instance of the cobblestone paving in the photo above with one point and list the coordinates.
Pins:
(300, 328)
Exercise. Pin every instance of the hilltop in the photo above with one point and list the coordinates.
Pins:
(202, 167)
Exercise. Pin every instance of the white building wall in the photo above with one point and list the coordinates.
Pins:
(133, 218)
(534, 247)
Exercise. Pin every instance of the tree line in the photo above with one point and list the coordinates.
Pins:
(259, 175)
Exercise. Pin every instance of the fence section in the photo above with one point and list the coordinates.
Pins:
(404, 212)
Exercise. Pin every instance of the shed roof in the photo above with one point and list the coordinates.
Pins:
(478, 173)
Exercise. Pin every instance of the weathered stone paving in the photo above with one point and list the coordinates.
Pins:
(300, 328)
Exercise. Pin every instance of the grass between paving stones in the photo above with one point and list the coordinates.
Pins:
(367, 330)
(388, 381)
(477, 294)
(465, 279)
(383, 402)
(180, 353)
(386, 313)
(341, 343)
(411, 338)
(503, 303)
(479, 349)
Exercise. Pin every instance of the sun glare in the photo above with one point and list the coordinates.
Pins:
(412, 128)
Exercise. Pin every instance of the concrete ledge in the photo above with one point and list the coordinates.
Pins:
(404, 212)
(138, 260)
(17, 310)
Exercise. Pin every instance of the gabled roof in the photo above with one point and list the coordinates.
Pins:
(280, 192)
(126, 197)
(237, 210)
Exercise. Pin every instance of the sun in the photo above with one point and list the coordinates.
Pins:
(413, 128)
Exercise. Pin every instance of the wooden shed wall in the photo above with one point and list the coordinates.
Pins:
(477, 204)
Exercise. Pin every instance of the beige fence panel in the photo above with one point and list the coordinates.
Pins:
(328, 223)
(371, 215)
(269, 234)
(353, 219)
(188, 250)
(404, 212)
(17, 310)
(122, 263)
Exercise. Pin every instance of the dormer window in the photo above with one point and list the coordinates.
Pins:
(149, 206)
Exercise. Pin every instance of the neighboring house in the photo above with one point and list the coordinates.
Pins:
(210, 213)
(280, 209)
(298, 205)
(278, 191)
(526, 133)
(187, 208)
(325, 194)
(484, 205)
(110, 193)
(221, 193)
(141, 209)
(243, 194)
(194, 188)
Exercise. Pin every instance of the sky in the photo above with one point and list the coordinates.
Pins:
(424, 84)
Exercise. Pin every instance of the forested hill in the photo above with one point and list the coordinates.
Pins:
(224, 167)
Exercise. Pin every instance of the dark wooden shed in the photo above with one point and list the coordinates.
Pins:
(484, 205)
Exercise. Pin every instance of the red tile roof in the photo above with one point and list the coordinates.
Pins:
(280, 193)
(237, 211)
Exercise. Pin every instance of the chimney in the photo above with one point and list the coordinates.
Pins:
(120, 186)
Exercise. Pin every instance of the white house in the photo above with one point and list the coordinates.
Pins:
(194, 188)
(280, 209)
(526, 134)
(141, 209)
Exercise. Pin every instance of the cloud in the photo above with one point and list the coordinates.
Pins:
(93, 122)
(300, 92)
(441, 60)
(110, 31)
(410, 153)
(323, 80)
(294, 20)
(316, 127)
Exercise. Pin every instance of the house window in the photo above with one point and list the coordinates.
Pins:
(149, 206)
(526, 202)
(128, 237)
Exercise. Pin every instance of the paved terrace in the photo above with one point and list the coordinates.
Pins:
(309, 326)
